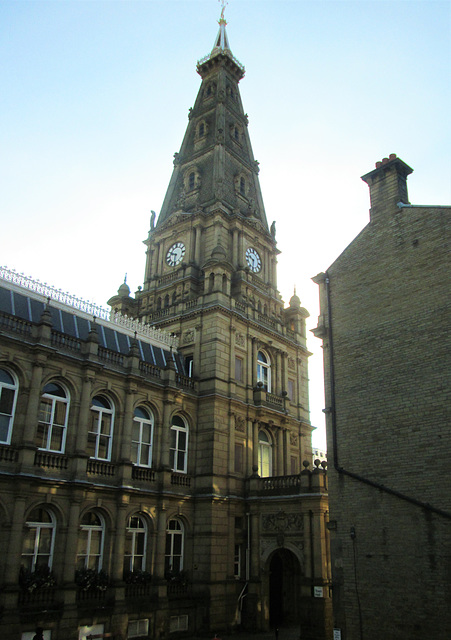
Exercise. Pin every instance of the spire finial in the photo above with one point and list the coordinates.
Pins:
(223, 3)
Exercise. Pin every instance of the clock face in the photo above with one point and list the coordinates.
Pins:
(175, 254)
(253, 260)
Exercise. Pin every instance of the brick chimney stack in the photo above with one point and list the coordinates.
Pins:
(388, 185)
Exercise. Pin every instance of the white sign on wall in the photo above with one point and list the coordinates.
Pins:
(318, 592)
(337, 634)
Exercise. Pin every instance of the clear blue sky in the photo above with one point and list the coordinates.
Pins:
(94, 103)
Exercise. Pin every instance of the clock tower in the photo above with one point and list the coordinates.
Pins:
(211, 279)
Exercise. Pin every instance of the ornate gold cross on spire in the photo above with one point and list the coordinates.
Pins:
(223, 3)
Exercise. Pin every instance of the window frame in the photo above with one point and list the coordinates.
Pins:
(101, 411)
(175, 451)
(265, 454)
(14, 387)
(51, 425)
(143, 422)
(39, 526)
(264, 370)
(171, 535)
(92, 528)
(129, 558)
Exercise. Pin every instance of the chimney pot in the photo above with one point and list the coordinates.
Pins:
(384, 160)
(378, 164)
(392, 156)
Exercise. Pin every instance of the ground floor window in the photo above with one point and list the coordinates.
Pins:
(138, 628)
(178, 623)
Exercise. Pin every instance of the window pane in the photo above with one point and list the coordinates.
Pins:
(6, 400)
(145, 454)
(45, 410)
(6, 377)
(136, 427)
(56, 442)
(177, 548)
(4, 428)
(60, 413)
(41, 435)
(45, 539)
(91, 445)
(182, 441)
(180, 461)
(54, 389)
(146, 433)
(106, 424)
(134, 453)
(103, 448)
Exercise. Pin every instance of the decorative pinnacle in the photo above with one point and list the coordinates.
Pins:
(223, 3)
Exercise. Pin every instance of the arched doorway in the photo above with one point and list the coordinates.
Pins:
(284, 588)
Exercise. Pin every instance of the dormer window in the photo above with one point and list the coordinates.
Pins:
(241, 182)
(191, 180)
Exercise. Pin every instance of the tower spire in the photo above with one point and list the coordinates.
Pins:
(221, 40)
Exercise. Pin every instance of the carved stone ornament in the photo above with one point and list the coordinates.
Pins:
(282, 521)
(189, 336)
(293, 439)
(291, 363)
(240, 423)
(240, 340)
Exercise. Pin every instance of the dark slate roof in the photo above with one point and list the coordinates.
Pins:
(75, 325)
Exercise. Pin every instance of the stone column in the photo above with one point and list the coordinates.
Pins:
(197, 244)
(13, 554)
(255, 345)
(255, 429)
(235, 248)
(119, 543)
(126, 440)
(278, 386)
(285, 371)
(166, 433)
(249, 446)
(31, 420)
(161, 543)
(70, 554)
(83, 418)
(280, 466)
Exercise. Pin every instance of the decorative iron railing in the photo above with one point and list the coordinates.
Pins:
(90, 308)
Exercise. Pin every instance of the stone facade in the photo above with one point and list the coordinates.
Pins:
(197, 513)
(385, 328)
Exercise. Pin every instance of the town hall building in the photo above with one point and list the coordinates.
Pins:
(155, 460)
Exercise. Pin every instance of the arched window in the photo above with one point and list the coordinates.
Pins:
(264, 455)
(166, 301)
(174, 547)
(142, 437)
(8, 397)
(264, 370)
(191, 180)
(179, 445)
(135, 544)
(236, 133)
(100, 435)
(90, 542)
(53, 412)
(39, 539)
(242, 186)
(201, 129)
